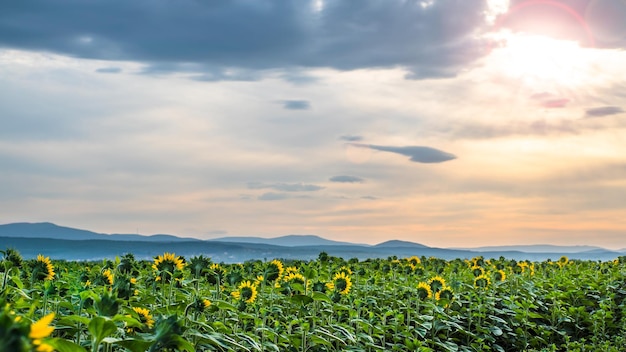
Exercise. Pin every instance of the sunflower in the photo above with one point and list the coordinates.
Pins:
(444, 296)
(144, 316)
(39, 330)
(478, 270)
(341, 283)
(246, 292)
(290, 269)
(424, 291)
(165, 265)
(11, 259)
(414, 261)
(215, 274)
(108, 276)
(500, 275)
(43, 269)
(482, 281)
(437, 283)
(563, 261)
(275, 270)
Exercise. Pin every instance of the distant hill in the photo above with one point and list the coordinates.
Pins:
(52, 231)
(287, 241)
(59, 242)
(399, 244)
(537, 248)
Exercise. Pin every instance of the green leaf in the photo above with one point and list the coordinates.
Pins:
(100, 328)
(318, 296)
(134, 345)
(496, 331)
(302, 299)
(63, 345)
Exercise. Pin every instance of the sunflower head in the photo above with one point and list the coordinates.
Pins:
(42, 269)
(482, 281)
(424, 291)
(108, 276)
(499, 275)
(198, 265)
(144, 317)
(246, 292)
(11, 259)
(274, 270)
(478, 270)
(167, 264)
(437, 283)
(341, 283)
(444, 296)
(414, 261)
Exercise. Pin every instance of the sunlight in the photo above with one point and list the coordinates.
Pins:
(537, 60)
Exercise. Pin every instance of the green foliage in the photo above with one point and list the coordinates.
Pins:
(417, 304)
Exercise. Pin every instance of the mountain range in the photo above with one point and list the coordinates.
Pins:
(68, 243)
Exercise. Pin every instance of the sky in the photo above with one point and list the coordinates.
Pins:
(450, 123)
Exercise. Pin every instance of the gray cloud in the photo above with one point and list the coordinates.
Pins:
(285, 187)
(109, 70)
(351, 138)
(418, 154)
(430, 41)
(273, 196)
(603, 111)
(346, 179)
(296, 104)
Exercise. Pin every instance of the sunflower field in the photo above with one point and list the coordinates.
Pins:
(173, 303)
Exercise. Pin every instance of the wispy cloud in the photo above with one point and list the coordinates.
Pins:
(603, 111)
(418, 154)
(273, 196)
(109, 70)
(346, 179)
(351, 138)
(296, 104)
(285, 187)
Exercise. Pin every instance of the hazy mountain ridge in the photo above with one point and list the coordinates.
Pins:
(287, 241)
(53, 231)
(73, 244)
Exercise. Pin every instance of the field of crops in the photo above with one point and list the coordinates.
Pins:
(330, 304)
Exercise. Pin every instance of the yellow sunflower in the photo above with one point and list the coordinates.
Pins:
(42, 329)
(500, 275)
(414, 261)
(341, 283)
(275, 270)
(144, 316)
(478, 270)
(437, 283)
(246, 291)
(445, 293)
(424, 291)
(108, 276)
(166, 265)
(43, 268)
(482, 281)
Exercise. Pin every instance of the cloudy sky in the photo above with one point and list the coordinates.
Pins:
(444, 122)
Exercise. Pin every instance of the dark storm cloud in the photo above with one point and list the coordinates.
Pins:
(216, 36)
(285, 187)
(603, 111)
(351, 138)
(418, 154)
(346, 179)
(109, 70)
(296, 104)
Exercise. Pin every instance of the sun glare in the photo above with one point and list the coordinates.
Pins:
(538, 61)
